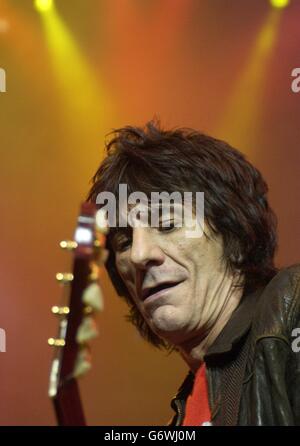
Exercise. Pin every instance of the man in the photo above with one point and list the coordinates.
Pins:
(217, 298)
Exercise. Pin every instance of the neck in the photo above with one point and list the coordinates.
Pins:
(194, 349)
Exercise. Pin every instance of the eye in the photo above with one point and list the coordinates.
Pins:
(169, 226)
(124, 244)
(121, 242)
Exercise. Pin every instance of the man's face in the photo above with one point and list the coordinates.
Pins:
(172, 279)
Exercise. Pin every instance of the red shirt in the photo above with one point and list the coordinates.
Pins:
(197, 409)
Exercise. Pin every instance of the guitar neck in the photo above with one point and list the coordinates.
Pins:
(68, 406)
(76, 326)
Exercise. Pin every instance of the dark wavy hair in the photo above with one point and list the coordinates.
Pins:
(236, 205)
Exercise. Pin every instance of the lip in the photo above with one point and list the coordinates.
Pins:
(146, 292)
(160, 293)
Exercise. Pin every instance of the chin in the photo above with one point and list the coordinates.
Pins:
(167, 323)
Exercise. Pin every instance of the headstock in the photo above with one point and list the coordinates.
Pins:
(76, 317)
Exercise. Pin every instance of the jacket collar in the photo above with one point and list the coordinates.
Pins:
(237, 326)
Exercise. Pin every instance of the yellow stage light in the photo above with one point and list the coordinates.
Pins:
(279, 3)
(80, 91)
(243, 114)
(43, 5)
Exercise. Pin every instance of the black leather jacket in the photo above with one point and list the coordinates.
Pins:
(253, 367)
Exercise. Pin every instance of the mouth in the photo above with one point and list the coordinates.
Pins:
(158, 289)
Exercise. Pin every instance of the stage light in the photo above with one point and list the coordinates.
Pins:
(79, 90)
(280, 3)
(43, 5)
(243, 113)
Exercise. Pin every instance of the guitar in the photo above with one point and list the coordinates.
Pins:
(76, 318)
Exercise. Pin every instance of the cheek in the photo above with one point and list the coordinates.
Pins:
(123, 267)
(197, 256)
(190, 251)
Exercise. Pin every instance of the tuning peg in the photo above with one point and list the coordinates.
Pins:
(83, 363)
(60, 310)
(53, 384)
(94, 274)
(69, 245)
(64, 277)
(56, 342)
(97, 243)
(88, 310)
(87, 330)
(93, 297)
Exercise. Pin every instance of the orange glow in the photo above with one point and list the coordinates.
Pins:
(242, 116)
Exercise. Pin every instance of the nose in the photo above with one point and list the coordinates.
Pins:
(145, 251)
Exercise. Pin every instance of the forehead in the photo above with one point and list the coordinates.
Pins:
(163, 200)
(148, 206)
